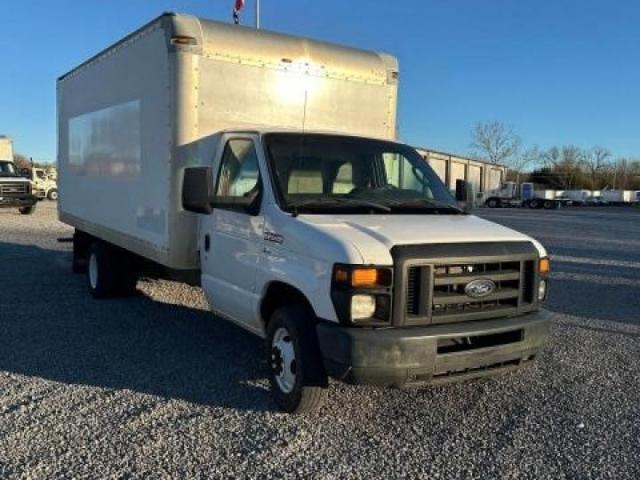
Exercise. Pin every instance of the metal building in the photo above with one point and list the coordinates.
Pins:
(482, 175)
(6, 148)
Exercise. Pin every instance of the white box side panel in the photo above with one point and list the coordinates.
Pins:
(6, 149)
(233, 95)
(114, 141)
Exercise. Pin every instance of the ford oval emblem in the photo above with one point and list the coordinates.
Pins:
(480, 288)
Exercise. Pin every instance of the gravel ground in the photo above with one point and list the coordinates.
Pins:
(154, 386)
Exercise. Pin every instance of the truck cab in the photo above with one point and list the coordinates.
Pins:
(43, 185)
(15, 190)
(353, 260)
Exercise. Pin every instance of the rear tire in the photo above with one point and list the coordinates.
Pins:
(534, 204)
(110, 272)
(296, 370)
(53, 194)
(27, 210)
(81, 248)
(101, 271)
(492, 203)
(547, 204)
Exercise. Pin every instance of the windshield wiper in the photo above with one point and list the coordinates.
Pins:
(426, 203)
(322, 202)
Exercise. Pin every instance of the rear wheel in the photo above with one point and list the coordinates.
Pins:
(534, 204)
(53, 194)
(27, 210)
(296, 371)
(109, 272)
(547, 204)
(101, 274)
(492, 203)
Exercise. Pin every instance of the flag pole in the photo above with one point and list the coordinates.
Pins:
(257, 14)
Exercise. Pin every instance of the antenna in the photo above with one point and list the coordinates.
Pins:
(304, 110)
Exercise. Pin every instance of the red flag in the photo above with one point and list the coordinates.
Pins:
(236, 11)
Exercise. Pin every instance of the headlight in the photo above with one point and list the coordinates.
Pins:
(542, 290)
(362, 306)
(361, 294)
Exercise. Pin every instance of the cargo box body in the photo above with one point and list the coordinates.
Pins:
(619, 196)
(6, 148)
(134, 116)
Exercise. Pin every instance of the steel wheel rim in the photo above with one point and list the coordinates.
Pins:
(283, 360)
(93, 271)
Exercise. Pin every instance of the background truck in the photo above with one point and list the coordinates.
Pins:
(264, 168)
(43, 185)
(620, 197)
(510, 194)
(15, 190)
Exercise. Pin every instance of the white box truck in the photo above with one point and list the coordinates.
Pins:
(264, 167)
(619, 197)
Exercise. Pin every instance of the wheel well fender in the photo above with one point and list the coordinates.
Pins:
(279, 294)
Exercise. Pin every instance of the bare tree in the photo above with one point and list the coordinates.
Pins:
(524, 159)
(495, 142)
(595, 160)
(21, 161)
(565, 161)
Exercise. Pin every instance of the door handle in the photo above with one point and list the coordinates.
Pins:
(207, 242)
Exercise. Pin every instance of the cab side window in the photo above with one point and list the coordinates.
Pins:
(239, 182)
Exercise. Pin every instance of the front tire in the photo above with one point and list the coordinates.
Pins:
(296, 371)
(53, 194)
(27, 210)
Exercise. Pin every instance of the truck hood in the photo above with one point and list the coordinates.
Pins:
(374, 235)
(14, 179)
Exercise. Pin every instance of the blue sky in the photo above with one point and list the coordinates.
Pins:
(558, 71)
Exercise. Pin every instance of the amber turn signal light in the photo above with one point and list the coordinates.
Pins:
(545, 266)
(362, 277)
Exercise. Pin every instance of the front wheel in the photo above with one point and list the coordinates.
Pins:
(53, 194)
(296, 371)
(27, 210)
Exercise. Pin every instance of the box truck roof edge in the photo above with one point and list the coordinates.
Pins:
(185, 30)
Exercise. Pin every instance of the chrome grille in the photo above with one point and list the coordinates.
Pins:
(14, 188)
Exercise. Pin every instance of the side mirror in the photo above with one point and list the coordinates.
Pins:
(464, 194)
(197, 189)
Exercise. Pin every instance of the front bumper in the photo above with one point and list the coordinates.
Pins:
(17, 202)
(387, 356)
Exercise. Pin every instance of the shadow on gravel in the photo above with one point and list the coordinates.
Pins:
(51, 328)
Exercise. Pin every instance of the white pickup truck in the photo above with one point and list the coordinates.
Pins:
(264, 167)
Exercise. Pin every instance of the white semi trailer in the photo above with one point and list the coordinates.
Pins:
(265, 166)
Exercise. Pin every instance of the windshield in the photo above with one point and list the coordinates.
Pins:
(8, 169)
(327, 173)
